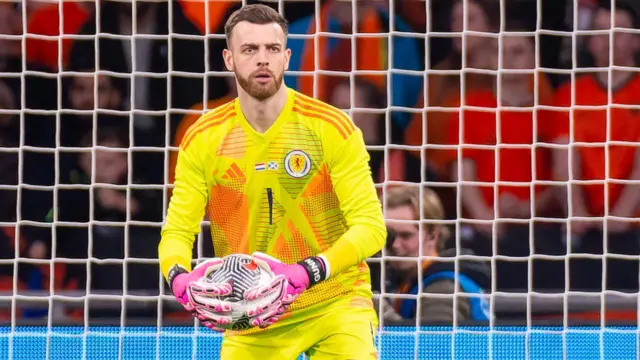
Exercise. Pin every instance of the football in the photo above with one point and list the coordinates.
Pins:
(243, 274)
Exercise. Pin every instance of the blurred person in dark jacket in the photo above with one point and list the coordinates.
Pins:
(35, 92)
(439, 276)
(19, 242)
(162, 78)
(79, 90)
(9, 141)
(9, 175)
(105, 203)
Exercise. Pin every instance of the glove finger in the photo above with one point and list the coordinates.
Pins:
(211, 303)
(288, 299)
(211, 324)
(270, 321)
(213, 327)
(277, 284)
(268, 318)
(210, 289)
(205, 315)
(188, 307)
(262, 307)
(216, 306)
(265, 262)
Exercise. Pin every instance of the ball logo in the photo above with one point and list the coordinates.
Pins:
(297, 163)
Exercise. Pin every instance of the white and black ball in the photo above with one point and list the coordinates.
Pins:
(243, 274)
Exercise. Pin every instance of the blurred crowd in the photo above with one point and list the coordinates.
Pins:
(98, 92)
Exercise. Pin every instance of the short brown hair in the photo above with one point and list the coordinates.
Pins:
(432, 209)
(255, 14)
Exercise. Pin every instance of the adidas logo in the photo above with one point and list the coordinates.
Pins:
(233, 172)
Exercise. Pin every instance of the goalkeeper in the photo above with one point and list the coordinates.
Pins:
(285, 175)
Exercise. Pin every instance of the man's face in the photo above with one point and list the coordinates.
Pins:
(81, 93)
(407, 241)
(111, 165)
(517, 54)
(625, 44)
(258, 57)
(476, 21)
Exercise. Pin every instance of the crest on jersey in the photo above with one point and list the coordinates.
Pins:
(297, 163)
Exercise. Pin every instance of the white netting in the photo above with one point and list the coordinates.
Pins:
(47, 99)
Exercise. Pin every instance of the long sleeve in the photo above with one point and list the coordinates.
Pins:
(186, 211)
(441, 310)
(353, 185)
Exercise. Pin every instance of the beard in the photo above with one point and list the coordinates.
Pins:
(257, 90)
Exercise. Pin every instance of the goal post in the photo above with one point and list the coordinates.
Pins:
(45, 315)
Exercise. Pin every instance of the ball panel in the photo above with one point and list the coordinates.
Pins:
(240, 272)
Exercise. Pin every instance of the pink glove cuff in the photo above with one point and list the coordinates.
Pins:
(178, 279)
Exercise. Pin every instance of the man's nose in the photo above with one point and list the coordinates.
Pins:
(396, 247)
(262, 58)
(86, 98)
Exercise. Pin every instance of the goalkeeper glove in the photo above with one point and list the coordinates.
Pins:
(289, 280)
(190, 294)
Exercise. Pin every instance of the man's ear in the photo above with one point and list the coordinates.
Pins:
(431, 236)
(227, 56)
(287, 57)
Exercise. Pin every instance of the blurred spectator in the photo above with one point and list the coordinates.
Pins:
(182, 58)
(10, 24)
(30, 275)
(16, 242)
(80, 96)
(105, 203)
(586, 9)
(438, 277)
(369, 116)
(603, 162)
(513, 135)
(444, 89)
(38, 94)
(11, 99)
(371, 52)
(45, 21)
(9, 142)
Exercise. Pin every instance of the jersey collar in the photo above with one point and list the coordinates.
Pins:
(268, 135)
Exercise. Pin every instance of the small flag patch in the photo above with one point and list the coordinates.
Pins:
(273, 165)
(260, 166)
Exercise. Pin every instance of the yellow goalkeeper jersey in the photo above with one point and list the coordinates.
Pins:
(302, 188)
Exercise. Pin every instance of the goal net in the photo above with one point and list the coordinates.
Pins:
(502, 137)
